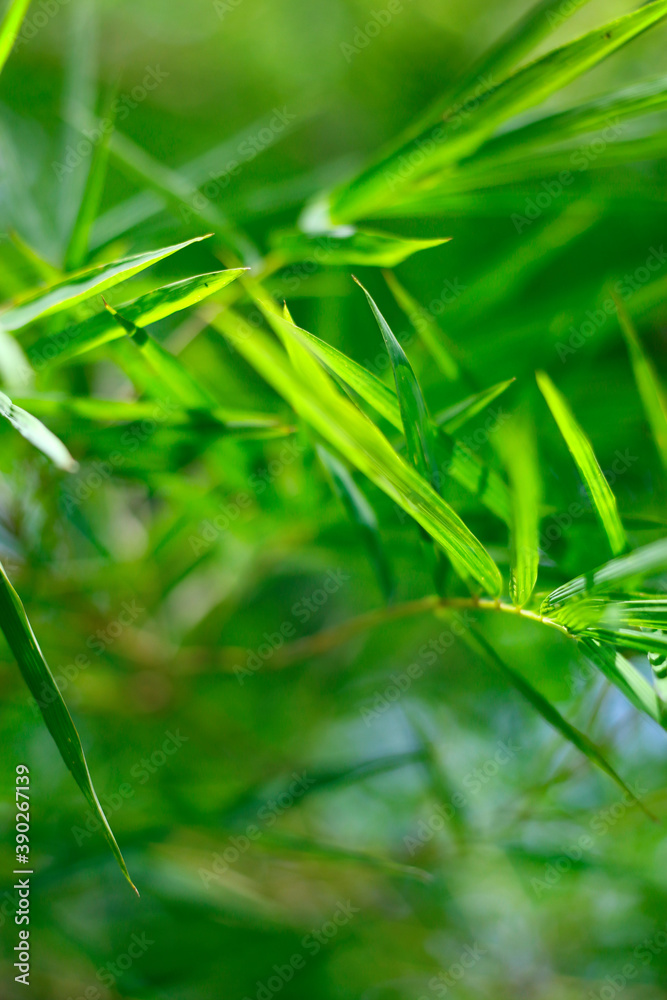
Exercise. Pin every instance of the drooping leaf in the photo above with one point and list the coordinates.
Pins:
(625, 676)
(34, 431)
(551, 715)
(79, 286)
(582, 452)
(37, 675)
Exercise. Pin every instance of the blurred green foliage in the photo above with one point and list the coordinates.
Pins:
(385, 818)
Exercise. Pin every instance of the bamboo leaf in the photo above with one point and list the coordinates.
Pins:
(37, 675)
(443, 352)
(79, 286)
(650, 390)
(646, 561)
(581, 450)
(454, 417)
(360, 513)
(34, 431)
(459, 462)
(364, 446)
(627, 678)
(143, 311)
(519, 451)
(10, 27)
(441, 144)
(416, 423)
(359, 246)
(551, 715)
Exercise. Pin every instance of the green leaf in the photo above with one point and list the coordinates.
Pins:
(362, 443)
(79, 286)
(443, 352)
(519, 452)
(459, 462)
(581, 450)
(10, 27)
(37, 675)
(644, 642)
(650, 390)
(598, 114)
(34, 431)
(605, 612)
(185, 387)
(181, 194)
(551, 715)
(625, 676)
(143, 311)
(454, 417)
(446, 141)
(416, 423)
(360, 513)
(360, 246)
(77, 248)
(646, 561)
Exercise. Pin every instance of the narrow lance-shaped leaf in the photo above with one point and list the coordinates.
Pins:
(34, 431)
(581, 450)
(10, 27)
(646, 561)
(428, 330)
(551, 715)
(519, 452)
(147, 309)
(79, 286)
(650, 390)
(358, 246)
(417, 424)
(442, 143)
(360, 513)
(625, 676)
(37, 675)
(454, 417)
(465, 467)
(187, 389)
(77, 247)
(362, 443)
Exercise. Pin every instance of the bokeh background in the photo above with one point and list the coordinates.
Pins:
(432, 842)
